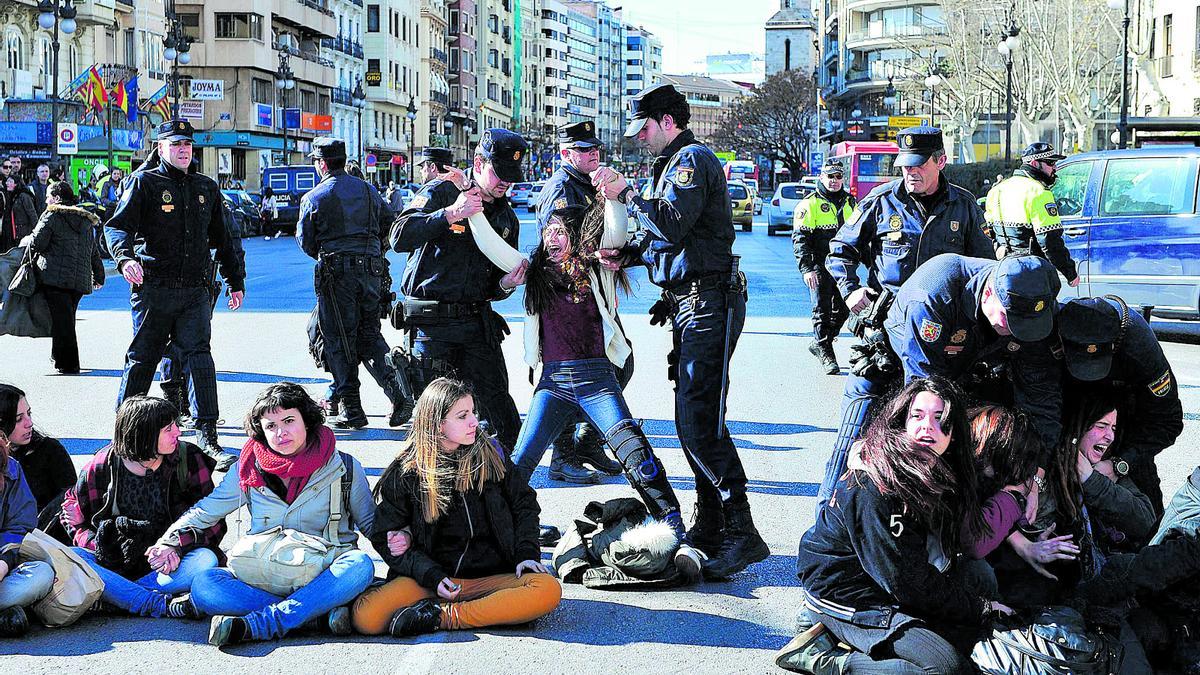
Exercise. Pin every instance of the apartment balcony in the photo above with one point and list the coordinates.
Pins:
(438, 55)
(344, 45)
(342, 96)
(439, 97)
(868, 38)
(312, 16)
(872, 5)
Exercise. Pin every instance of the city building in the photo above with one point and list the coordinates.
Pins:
(554, 63)
(349, 62)
(610, 69)
(494, 63)
(460, 38)
(393, 86)
(433, 124)
(643, 60)
(1165, 78)
(743, 69)
(708, 98)
(582, 65)
(791, 36)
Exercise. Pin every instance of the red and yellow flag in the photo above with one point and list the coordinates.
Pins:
(99, 93)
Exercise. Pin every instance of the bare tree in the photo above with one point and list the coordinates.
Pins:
(777, 120)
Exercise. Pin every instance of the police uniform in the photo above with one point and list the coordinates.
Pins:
(169, 220)
(342, 224)
(1023, 214)
(892, 233)
(816, 220)
(449, 285)
(687, 246)
(1111, 351)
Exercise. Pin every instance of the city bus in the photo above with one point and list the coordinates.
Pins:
(868, 164)
(743, 170)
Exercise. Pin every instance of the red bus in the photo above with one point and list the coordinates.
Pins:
(743, 170)
(868, 164)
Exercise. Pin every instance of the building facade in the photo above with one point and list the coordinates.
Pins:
(494, 61)
(554, 63)
(433, 125)
(393, 86)
(349, 62)
(462, 110)
(610, 69)
(708, 98)
(643, 60)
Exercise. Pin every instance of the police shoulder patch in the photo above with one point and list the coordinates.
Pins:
(1162, 386)
(560, 203)
(1052, 208)
(419, 202)
(930, 330)
(825, 207)
(683, 176)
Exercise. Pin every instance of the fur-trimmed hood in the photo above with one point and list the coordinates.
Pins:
(88, 216)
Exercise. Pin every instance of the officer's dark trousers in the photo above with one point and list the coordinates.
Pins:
(348, 314)
(859, 397)
(829, 311)
(468, 348)
(162, 315)
(64, 345)
(173, 369)
(695, 363)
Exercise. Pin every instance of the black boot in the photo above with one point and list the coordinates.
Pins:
(589, 447)
(178, 397)
(423, 617)
(402, 406)
(824, 353)
(13, 622)
(352, 416)
(206, 435)
(708, 524)
(743, 546)
(565, 466)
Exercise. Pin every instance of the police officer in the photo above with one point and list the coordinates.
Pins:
(1111, 351)
(1023, 215)
(342, 223)
(449, 284)
(816, 220)
(897, 227)
(687, 246)
(169, 218)
(432, 162)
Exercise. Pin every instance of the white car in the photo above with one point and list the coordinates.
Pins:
(535, 193)
(783, 203)
(518, 194)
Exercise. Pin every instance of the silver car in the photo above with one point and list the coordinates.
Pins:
(783, 203)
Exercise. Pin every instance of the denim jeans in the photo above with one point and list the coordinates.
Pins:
(566, 388)
(217, 591)
(26, 584)
(149, 595)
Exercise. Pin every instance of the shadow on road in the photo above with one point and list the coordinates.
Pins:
(541, 481)
(222, 376)
(575, 621)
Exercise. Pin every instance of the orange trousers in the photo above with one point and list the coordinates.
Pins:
(497, 600)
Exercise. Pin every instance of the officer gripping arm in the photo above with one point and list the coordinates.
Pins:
(430, 214)
(672, 216)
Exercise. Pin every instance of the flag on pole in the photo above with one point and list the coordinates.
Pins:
(76, 85)
(131, 96)
(159, 103)
(119, 98)
(99, 91)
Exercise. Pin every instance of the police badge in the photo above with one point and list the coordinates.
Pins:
(930, 330)
(166, 197)
(895, 222)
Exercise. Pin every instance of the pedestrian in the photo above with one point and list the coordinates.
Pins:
(343, 222)
(16, 163)
(110, 192)
(169, 220)
(20, 212)
(469, 523)
(816, 220)
(896, 228)
(687, 246)
(570, 187)
(47, 466)
(290, 475)
(269, 212)
(21, 583)
(392, 196)
(69, 267)
(449, 284)
(573, 332)
(40, 186)
(1023, 214)
(886, 547)
(431, 163)
(126, 496)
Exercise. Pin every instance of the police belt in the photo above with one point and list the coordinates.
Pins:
(175, 283)
(432, 309)
(708, 282)
(348, 258)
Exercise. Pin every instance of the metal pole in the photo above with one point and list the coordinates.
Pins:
(109, 136)
(54, 94)
(172, 30)
(1008, 66)
(287, 156)
(360, 147)
(1123, 127)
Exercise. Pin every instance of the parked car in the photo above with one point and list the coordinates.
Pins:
(518, 194)
(783, 203)
(1130, 222)
(245, 211)
(742, 204)
(753, 188)
(534, 193)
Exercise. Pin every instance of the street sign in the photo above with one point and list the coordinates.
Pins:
(895, 124)
(371, 159)
(68, 138)
(191, 110)
(264, 113)
(374, 78)
(815, 162)
(207, 90)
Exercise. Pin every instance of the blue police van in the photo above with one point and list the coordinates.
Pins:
(289, 183)
(1130, 221)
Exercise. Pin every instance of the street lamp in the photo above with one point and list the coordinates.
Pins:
(1123, 125)
(360, 102)
(932, 82)
(412, 132)
(448, 125)
(889, 96)
(49, 14)
(1010, 42)
(285, 81)
(177, 48)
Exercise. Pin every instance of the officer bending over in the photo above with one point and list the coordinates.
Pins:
(449, 284)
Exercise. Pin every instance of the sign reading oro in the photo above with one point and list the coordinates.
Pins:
(374, 78)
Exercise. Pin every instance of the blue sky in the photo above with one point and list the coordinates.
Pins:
(692, 29)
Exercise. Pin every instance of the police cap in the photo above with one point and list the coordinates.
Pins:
(1040, 152)
(832, 166)
(175, 130)
(327, 147)
(439, 156)
(917, 145)
(578, 135)
(657, 99)
(504, 150)
(1027, 286)
(1089, 328)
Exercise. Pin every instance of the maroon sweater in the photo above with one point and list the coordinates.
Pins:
(571, 331)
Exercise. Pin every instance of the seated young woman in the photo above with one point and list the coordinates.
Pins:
(877, 567)
(470, 520)
(21, 584)
(284, 477)
(580, 344)
(48, 467)
(1007, 447)
(126, 496)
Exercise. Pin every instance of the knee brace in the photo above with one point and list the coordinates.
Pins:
(642, 468)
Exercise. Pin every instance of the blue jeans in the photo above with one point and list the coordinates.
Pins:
(26, 584)
(217, 591)
(149, 595)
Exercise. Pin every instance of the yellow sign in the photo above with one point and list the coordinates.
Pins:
(895, 124)
(374, 78)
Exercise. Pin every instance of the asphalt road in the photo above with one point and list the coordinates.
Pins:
(783, 417)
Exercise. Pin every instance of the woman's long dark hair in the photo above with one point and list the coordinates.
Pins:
(940, 491)
(1006, 445)
(1063, 477)
(10, 398)
(584, 230)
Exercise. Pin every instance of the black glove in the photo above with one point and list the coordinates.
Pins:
(106, 537)
(659, 312)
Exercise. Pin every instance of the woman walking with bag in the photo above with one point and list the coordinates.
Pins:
(69, 265)
(297, 561)
(21, 584)
(470, 528)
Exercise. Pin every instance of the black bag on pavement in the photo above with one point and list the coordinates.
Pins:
(1057, 641)
(20, 315)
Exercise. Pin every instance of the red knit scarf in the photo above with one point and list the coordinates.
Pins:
(294, 470)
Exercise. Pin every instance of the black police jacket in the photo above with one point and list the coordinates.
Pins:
(566, 187)
(688, 220)
(169, 220)
(444, 263)
(867, 552)
(1142, 384)
(936, 328)
(343, 214)
(891, 234)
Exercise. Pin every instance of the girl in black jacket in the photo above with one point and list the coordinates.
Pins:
(470, 525)
(47, 466)
(876, 566)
